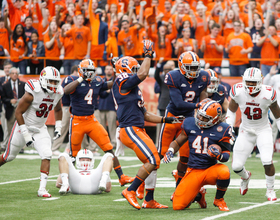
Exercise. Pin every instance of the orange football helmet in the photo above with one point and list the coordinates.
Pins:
(208, 114)
(128, 65)
(189, 64)
(87, 70)
(213, 87)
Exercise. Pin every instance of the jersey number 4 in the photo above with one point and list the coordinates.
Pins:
(197, 145)
(44, 110)
(255, 113)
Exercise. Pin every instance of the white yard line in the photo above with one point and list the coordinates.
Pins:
(240, 210)
(24, 180)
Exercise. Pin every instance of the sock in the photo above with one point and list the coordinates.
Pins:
(198, 197)
(149, 194)
(243, 173)
(179, 180)
(43, 181)
(270, 181)
(64, 178)
(220, 193)
(118, 171)
(105, 176)
(135, 184)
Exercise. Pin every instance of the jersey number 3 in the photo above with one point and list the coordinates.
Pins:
(44, 110)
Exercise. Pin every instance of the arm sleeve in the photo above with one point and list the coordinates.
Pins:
(157, 74)
(130, 83)
(176, 97)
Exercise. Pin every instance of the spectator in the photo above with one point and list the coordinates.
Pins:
(185, 43)
(269, 43)
(238, 45)
(29, 29)
(4, 35)
(107, 112)
(13, 90)
(36, 49)
(67, 50)
(212, 46)
(17, 13)
(81, 39)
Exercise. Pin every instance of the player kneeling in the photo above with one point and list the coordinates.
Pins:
(84, 179)
(203, 132)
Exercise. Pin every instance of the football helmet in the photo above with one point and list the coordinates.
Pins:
(128, 65)
(213, 87)
(189, 64)
(85, 165)
(48, 75)
(252, 75)
(208, 114)
(87, 70)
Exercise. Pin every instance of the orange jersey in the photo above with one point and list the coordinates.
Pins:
(188, 45)
(54, 51)
(4, 38)
(211, 52)
(199, 32)
(238, 42)
(17, 49)
(34, 61)
(182, 18)
(269, 51)
(227, 28)
(16, 15)
(129, 41)
(81, 37)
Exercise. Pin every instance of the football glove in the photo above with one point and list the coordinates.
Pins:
(213, 153)
(114, 60)
(170, 120)
(29, 140)
(148, 48)
(197, 105)
(168, 155)
(57, 130)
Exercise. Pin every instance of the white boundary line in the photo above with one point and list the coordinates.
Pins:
(17, 181)
(241, 210)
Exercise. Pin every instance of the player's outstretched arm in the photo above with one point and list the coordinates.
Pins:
(145, 66)
(150, 117)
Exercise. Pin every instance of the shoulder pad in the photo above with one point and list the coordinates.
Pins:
(221, 90)
(98, 79)
(32, 86)
(172, 77)
(235, 88)
(270, 93)
(60, 90)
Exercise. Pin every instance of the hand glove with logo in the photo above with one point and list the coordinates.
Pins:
(170, 120)
(168, 155)
(29, 140)
(213, 153)
(114, 60)
(57, 130)
(148, 48)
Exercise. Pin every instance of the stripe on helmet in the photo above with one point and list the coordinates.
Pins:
(252, 74)
(207, 105)
(193, 55)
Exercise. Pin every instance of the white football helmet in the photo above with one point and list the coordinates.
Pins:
(252, 75)
(85, 165)
(47, 75)
(213, 87)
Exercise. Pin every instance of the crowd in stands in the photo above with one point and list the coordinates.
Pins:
(68, 31)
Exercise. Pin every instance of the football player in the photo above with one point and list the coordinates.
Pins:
(254, 101)
(84, 179)
(131, 113)
(202, 131)
(83, 90)
(31, 113)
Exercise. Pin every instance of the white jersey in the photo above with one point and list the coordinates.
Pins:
(273, 81)
(43, 102)
(254, 110)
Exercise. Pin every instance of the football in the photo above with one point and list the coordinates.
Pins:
(217, 147)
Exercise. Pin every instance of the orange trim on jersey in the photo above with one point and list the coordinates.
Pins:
(121, 86)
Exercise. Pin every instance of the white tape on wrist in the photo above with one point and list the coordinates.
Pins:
(171, 149)
(58, 124)
(80, 79)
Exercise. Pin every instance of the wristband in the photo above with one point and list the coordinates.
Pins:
(171, 149)
(80, 79)
(23, 129)
(58, 124)
(163, 120)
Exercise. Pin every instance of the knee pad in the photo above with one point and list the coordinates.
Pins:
(47, 154)
(224, 173)
(236, 166)
(9, 158)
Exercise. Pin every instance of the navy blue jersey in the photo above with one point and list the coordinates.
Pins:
(106, 101)
(183, 91)
(82, 98)
(255, 36)
(201, 139)
(129, 101)
(220, 95)
(65, 98)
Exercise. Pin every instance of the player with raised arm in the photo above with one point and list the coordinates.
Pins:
(254, 101)
(31, 113)
(131, 113)
(83, 90)
(84, 179)
(209, 142)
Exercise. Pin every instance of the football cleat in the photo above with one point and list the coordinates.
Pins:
(202, 202)
(140, 191)
(153, 204)
(125, 179)
(175, 174)
(102, 184)
(172, 197)
(130, 196)
(221, 204)
(44, 193)
(244, 184)
(271, 195)
(64, 189)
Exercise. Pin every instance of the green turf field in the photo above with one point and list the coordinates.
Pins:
(19, 182)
